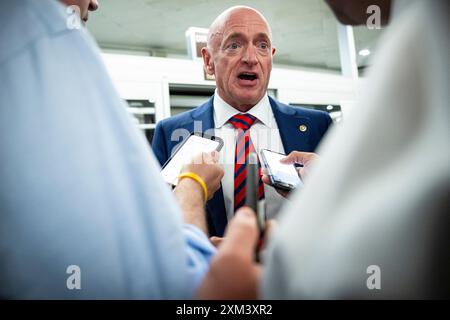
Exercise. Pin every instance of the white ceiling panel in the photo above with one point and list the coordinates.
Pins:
(304, 30)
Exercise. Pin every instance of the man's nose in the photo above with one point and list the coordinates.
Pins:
(250, 56)
(93, 5)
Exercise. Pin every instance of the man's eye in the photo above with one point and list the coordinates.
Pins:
(264, 45)
(233, 46)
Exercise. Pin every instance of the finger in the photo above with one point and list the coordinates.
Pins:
(301, 171)
(197, 159)
(211, 157)
(216, 241)
(206, 158)
(242, 234)
(282, 193)
(271, 225)
(299, 157)
(221, 173)
(293, 157)
(266, 179)
(215, 155)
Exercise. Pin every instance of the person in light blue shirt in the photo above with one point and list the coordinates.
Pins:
(83, 212)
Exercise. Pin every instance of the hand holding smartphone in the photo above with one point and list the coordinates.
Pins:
(282, 176)
(193, 145)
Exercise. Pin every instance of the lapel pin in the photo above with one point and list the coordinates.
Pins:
(302, 128)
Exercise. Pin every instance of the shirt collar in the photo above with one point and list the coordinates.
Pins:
(56, 16)
(223, 111)
(22, 22)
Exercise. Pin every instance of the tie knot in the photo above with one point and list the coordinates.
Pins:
(242, 121)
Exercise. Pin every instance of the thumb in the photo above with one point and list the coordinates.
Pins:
(291, 158)
(215, 156)
(242, 233)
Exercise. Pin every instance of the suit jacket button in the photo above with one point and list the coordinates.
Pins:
(302, 128)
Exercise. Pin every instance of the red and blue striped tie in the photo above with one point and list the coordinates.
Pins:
(242, 122)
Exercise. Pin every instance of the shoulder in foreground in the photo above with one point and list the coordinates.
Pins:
(24, 22)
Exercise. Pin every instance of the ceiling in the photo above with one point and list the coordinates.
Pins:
(304, 30)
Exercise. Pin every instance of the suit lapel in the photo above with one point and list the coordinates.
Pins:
(293, 128)
(203, 117)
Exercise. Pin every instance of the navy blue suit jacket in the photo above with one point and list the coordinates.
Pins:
(201, 119)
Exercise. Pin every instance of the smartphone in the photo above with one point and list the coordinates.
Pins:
(252, 199)
(282, 176)
(193, 145)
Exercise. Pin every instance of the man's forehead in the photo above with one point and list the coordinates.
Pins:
(253, 26)
(261, 27)
(238, 21)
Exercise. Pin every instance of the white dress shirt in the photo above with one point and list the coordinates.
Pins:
(377, 205)
(264, 134)
(79, 184)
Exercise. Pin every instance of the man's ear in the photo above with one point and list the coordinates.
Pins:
(273, 51)
(208, 62)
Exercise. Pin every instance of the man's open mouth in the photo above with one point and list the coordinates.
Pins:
(248, 76)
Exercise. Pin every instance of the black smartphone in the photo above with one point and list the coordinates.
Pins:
(194, 144)
(282, 176)
(252, 200)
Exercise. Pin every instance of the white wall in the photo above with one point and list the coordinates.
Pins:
(140, 77)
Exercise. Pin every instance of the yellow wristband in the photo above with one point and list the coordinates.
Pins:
(195, 177)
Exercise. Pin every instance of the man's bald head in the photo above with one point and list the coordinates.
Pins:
(216, 30)
(239, 54)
